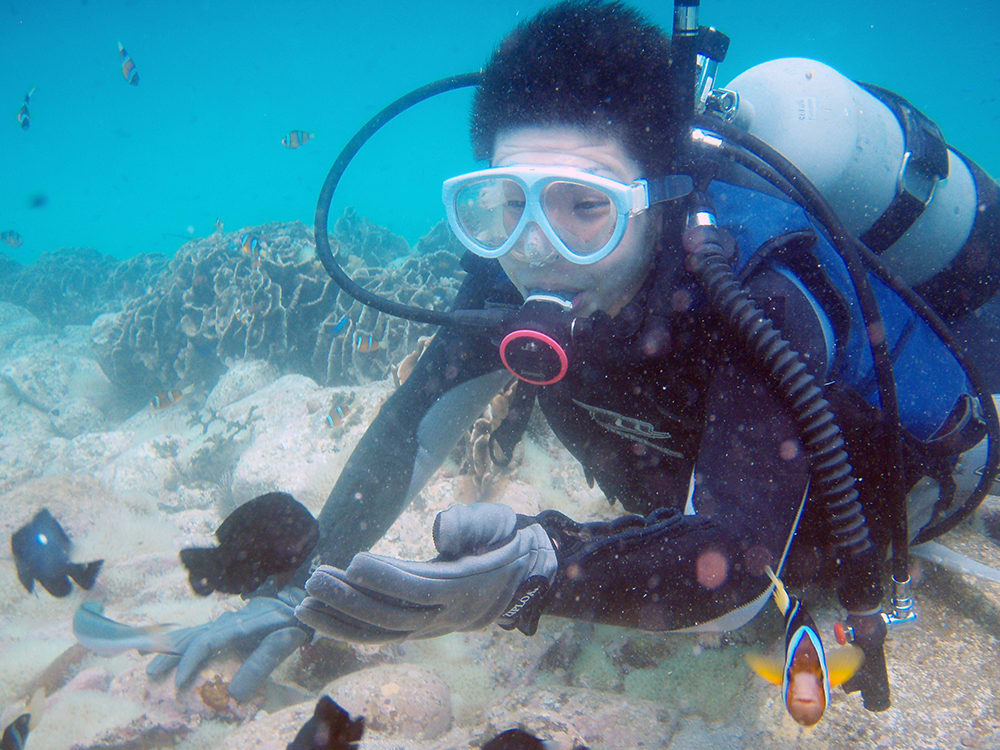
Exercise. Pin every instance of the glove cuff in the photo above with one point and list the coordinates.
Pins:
(525, 608)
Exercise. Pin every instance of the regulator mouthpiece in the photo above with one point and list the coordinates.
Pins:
(537, 347)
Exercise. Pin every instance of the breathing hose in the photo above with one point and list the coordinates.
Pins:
(832, 482)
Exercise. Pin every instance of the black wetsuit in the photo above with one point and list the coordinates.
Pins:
(690, 440)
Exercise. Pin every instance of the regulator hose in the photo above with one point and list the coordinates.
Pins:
(766, 162)
(833, 484)
(325, 254)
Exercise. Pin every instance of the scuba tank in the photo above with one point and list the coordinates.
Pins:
(931, 213)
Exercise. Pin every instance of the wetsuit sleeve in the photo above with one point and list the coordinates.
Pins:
(372, 489)
(671, 570)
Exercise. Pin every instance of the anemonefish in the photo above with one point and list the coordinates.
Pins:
(250, 245)
(129, 73)
(23, 115)
(365, 343)
(807, 672)
(337, 416)
(296, 138)
(15, 735)
(163, 399)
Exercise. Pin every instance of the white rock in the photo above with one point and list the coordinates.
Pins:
(243, 379)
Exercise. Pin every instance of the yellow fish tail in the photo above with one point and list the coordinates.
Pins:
(769, 667)
(842, 663)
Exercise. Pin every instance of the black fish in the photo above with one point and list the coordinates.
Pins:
(518, 739)
(269, 535)
(330, 728)
(41, 553)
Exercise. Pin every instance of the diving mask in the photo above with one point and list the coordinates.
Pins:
(582, 215)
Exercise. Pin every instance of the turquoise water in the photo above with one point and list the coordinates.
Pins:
(137, 169)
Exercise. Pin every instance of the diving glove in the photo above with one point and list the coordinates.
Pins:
(493, 566)
(267, 626)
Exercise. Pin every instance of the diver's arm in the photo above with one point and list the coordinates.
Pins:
(669, 570)
(409, 437)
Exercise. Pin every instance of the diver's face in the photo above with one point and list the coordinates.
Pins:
(610, 283)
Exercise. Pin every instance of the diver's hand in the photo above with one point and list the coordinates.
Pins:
(492, 565)
(267, 625)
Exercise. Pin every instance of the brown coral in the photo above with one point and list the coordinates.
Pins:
(214, 304)
(215, 694)
(477, 452)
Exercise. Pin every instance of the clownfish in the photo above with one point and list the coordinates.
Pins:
(15, 735)
(365, 343)
(807, 672)
(129, 73)
(23, 115)
(163, 399)
(250, 245)
(296, 138)
(337, 416)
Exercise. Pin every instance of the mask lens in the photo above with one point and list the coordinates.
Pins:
(489, 209)
(583, 217)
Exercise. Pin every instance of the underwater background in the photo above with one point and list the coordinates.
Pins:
(141, 442)
(134, 169)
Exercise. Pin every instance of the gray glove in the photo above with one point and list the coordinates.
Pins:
(267, 625)
(491, 565)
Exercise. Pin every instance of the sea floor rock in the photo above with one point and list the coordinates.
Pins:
(162, 479)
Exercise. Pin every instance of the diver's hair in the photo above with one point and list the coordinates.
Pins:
(590, 64)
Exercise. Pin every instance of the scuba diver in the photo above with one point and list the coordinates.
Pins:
(717, 358)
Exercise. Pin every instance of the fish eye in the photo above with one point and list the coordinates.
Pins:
(42, 539)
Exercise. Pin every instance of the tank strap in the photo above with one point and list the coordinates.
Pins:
(925, 162)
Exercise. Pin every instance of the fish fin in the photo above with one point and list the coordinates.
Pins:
(85, 574)
(769, 667)
(779, 593)
(59, 585)
(842, 663)
(24, 576)
(200, 562)
(162, 640)
(36, 707)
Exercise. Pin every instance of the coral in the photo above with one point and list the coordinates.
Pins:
(215, 304)
(72, 286)
(215, 694)
(8, 266)
(376, 246)
(477, 457)
(405, 367)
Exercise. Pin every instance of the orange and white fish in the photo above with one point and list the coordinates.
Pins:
(365, 343)
(129, 73)
(807, 672)
(250, 245)
(296, 138)
(337, 416)
(163, 399)
(23, 115)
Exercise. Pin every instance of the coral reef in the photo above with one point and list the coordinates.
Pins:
(480, 459)
(75, 285)
(215, 304)
(8, 266)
